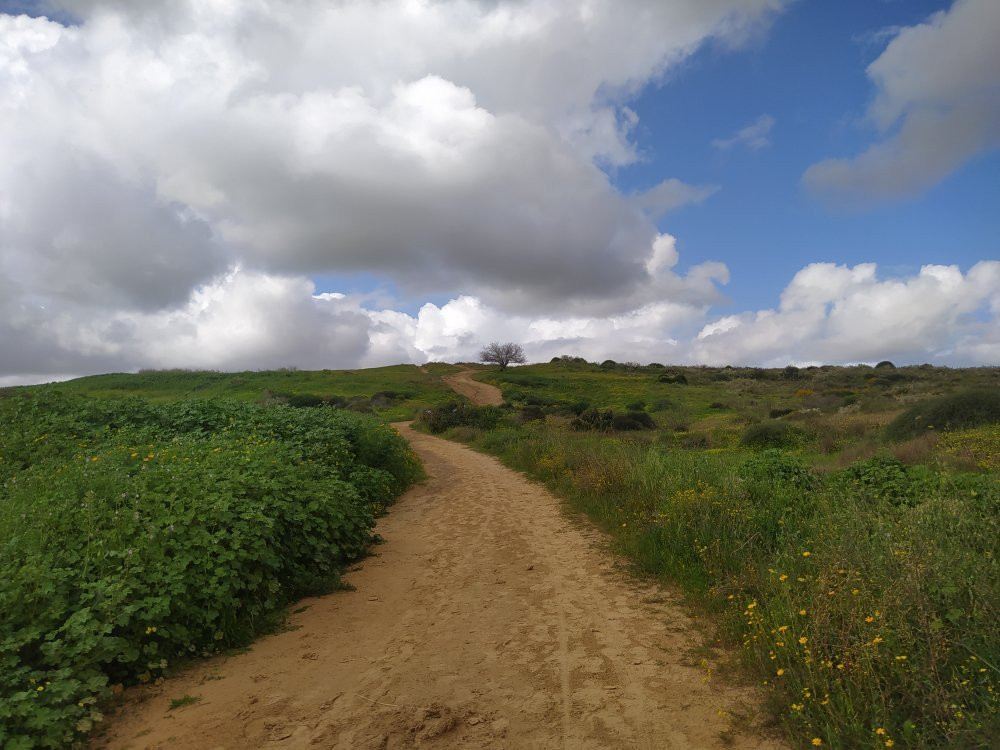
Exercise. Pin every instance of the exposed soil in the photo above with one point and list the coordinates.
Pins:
(487, 619)
(478, 393)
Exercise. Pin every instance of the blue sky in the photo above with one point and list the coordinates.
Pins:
(341, 185)
(807, 72)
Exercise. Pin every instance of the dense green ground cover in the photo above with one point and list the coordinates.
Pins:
(863, 590)
(392, 393)
(134, 534)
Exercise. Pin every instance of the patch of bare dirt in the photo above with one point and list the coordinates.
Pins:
(486, 620)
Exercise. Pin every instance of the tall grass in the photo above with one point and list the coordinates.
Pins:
(867, 601)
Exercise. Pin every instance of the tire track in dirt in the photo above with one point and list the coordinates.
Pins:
(488, 619)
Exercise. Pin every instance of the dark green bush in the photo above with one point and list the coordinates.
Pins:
(633, 420)
(593, 419)
(771, 434)
(461, 414)
(958, 411)
(676, 378)
(886, 478)
(791, 372)
(530, 414)
(604, 421)
(775, 465)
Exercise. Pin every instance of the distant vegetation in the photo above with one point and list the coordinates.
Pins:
(956, 411)
(843, 523)
(391, 393)
(133, 535)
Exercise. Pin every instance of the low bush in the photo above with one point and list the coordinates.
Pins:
(632, 420)
(958, 411)
(770, 434)
(607, 420)
(461, 414)
(133, 536)
(530, 414)
(886, 478)
(777, 466)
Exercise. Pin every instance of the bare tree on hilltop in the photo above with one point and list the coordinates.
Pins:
(502, 354)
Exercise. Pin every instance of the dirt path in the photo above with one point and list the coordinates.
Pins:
(486, 620)
(478, 393)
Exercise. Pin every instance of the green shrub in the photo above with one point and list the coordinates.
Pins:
(791, 372)
(593, 419)
(886, 478)
(777, 466)
(607, 420)
(633, 420)
(770, 434)
(461, 414)
(133, 536)
(958, 411)
(530, 414)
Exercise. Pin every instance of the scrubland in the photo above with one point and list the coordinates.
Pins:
(841, 524)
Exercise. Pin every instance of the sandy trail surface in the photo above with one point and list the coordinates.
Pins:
(478, 393)
(487, 619)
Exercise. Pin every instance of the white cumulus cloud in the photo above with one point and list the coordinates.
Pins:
(936, 106)
(832, 313)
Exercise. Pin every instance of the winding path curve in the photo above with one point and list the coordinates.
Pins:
(487, 619)
(477, 392)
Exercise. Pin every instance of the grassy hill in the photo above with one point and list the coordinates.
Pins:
(391, 393)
